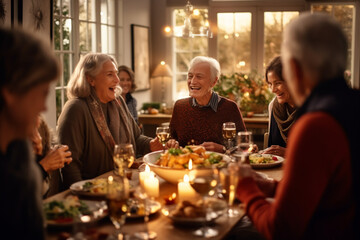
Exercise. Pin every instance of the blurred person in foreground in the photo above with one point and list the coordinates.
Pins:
(127, 84)
(318, 197)
(27, 66)
(199, 118)
(282, 109)
(49, 158)
(95, 118)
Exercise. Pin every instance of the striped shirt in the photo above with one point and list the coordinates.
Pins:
(213, 103)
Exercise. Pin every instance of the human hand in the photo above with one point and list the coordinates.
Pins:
(267, 185)
(214, 147)
(172, 143)
(56, 158)
(276, 150)
(155, 145)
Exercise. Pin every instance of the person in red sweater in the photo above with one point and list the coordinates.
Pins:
(199, 118)
(318, 197)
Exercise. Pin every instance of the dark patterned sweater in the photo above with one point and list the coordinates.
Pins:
(195, 125)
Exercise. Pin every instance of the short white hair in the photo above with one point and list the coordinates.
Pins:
(213, 63)
(318, 43)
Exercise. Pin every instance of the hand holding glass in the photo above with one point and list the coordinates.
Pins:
(163, 134)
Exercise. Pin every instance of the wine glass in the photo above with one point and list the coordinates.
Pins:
(229, 133)
(229, 179)
(163, 134)
(116, 199)
(204, 182)
(245, 144)
(123, 158)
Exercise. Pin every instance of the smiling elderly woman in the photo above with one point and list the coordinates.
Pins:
(95, 119)
(199, 118)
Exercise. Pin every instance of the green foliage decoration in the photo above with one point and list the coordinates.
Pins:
(248, 90)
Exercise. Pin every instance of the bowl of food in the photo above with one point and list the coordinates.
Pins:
(173, 164)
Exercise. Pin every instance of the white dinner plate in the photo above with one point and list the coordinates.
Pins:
(98, 211)
(279, 161)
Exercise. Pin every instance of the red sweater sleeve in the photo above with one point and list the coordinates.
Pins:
(317, 148)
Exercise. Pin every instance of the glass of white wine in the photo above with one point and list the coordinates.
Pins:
(116, 199)
(229, 179)
(123, 158)
(163, 134)
(229, 133)
(204, 182)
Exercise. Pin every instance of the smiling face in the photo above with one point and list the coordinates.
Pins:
(279, 88)
(105, 82)
(199, 83)
(125, 82)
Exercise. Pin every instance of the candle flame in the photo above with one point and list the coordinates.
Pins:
(186, 178)
(190, 164)
(250, 149)
(110, 179)
(147, 168)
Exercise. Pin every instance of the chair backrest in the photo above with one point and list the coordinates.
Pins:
(266, 139)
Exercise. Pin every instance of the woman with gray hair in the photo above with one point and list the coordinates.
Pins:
(95, 118)
(199, 118)
(27, 67)
(318, 197)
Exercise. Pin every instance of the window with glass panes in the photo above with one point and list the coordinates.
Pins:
(82, 26)
(344, 13)
(184, 50)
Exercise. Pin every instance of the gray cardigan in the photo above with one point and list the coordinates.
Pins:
(91, 157)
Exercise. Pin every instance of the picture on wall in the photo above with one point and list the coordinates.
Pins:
(140, 40)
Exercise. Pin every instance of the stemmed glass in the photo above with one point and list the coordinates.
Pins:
(245, 144)
(163, 134)
(205, 184)
(116, 199)
(229, 179)
(229, 133)
(123, 158)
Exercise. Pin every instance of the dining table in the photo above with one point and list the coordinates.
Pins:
(158, 222)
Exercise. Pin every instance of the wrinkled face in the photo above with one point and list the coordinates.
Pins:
(279, 88)
(199, 83)
(105, 82)
(125, 82)
(23, 109)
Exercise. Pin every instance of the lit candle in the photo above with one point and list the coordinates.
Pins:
(185, 191)
(151, 185)
(144, 175)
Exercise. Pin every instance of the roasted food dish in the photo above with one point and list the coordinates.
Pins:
(179, 157)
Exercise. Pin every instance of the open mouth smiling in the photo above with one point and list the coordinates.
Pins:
(194, 88)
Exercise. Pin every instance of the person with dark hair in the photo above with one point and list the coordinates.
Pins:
(27, 66)
(319, 195)
(282, 109)
(127, 84)
(49, 158)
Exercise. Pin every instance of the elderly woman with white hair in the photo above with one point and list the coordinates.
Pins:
(199, 118)
(95, 118)
(318, 197)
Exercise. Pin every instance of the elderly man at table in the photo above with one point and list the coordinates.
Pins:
(199, 118)
(318, 197)
(96, 118)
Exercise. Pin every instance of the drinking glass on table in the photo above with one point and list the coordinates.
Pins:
(123, 158)
(229, 133)
(163, 134)
(116, 199)
(204, 182)
(229, 179)
(245, 144)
